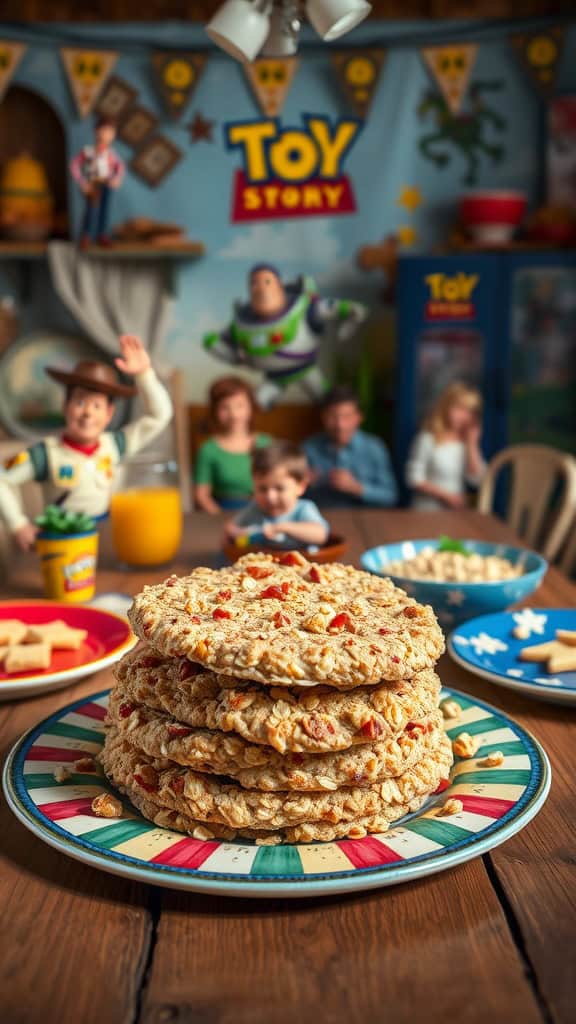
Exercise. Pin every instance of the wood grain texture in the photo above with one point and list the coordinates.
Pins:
(537, 867)
(202, 10)
(442, 944)
(73, 941)
(490, 941)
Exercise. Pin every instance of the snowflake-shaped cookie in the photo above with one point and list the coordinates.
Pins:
(530, 621)
(485, 644)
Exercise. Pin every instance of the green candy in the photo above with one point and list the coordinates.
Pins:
(449, 544)
(58, 520)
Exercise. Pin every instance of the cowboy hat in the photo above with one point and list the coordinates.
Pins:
(100, 377)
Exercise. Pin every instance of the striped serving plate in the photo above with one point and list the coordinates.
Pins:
(497, 803)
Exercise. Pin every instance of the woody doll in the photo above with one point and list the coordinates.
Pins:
(97, 169)
(77, 470)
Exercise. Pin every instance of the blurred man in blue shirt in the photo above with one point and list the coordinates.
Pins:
(348, 466)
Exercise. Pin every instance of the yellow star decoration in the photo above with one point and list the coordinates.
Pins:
(410, 198)
(406, 235)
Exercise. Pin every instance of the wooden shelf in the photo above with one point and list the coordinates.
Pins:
(22, 250)
(144, 251)
(118, 250)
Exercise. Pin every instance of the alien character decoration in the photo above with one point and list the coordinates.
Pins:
(463, 130)
(278, 332)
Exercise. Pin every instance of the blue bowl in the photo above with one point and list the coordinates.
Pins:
(456, 602)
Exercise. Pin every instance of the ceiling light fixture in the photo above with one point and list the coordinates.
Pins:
(245, 28)
(285, 24)
(334, 18)
(240, 27)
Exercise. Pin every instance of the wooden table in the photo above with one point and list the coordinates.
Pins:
(490, 941)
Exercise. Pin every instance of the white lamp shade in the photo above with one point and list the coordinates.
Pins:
(280, 42)
(334, 18)
(240, 28)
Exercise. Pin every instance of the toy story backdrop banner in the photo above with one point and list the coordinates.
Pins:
(363, 148)
(270, 80)
(87, 72)
(358, 73)
(177, 75)
(451, 67)
(291, 172)
(540, 54)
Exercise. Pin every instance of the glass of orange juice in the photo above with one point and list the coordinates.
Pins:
(146, 513)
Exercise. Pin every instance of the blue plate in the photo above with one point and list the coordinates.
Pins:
(458, 602)
(487, 647)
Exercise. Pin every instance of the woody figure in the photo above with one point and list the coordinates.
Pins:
(77, 470)
(97, 169)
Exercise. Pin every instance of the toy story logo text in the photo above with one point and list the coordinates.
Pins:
(291, 172)
(450, 296)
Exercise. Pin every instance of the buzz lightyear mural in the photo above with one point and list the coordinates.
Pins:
(278, 332)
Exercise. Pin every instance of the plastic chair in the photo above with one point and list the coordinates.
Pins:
(567, 562)
(536, 471)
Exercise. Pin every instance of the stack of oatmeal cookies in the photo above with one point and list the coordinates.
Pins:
(280, 701)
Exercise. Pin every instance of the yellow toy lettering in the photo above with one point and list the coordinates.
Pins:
(333, 194)
(434, 282)
(311, 197)
(455, 288)
(294, 156)
(252, 137)
(332, 147)
(251, 199)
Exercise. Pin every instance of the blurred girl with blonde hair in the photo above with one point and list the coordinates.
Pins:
(445, 456)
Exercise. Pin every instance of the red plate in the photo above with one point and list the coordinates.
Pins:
(109, 637)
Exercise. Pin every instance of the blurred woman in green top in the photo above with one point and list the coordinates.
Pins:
(223, 476)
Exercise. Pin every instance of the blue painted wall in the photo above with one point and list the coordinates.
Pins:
(197, 193)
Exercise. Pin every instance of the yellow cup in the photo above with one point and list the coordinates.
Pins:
(68, 565)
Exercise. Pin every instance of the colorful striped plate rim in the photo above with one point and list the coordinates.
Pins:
(497, 803)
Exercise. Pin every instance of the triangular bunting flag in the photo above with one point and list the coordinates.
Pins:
(271, 78)
(539, 54)
(87, 71)
(10, 57)
(450, 67)
(177, 75)
(358, 72)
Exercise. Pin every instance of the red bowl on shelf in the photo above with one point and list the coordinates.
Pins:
(492, 217)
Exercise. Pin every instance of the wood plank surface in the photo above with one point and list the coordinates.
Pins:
(74, 941)
(442, 944)
(536, 868)
(489, 941)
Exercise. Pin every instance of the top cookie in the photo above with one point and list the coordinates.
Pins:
(281, 620)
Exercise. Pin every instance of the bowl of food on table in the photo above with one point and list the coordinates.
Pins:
(332, 550)
(459, 578)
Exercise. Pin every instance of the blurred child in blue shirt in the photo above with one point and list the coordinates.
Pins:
(278, 514)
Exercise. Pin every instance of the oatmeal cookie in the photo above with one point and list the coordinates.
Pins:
(306, 832)
(258, 767)
(315, 720)
(220, 800)
(294, 626)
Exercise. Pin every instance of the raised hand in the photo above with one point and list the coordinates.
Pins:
(473, 434)
(25, 536)
(134, 358)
